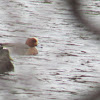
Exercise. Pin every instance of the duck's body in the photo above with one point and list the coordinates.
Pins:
(16, 48)
(32, 51)
(23, 49)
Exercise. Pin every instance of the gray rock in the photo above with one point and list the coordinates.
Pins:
(5, 61)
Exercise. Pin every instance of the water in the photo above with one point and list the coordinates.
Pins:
(67, 66)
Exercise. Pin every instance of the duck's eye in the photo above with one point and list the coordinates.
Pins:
(34, 40)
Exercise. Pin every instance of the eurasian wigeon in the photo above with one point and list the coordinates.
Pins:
(32, 42)
(29, 48)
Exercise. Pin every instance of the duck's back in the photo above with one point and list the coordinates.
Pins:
(17, 48)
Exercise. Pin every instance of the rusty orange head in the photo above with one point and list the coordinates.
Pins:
(31, 42)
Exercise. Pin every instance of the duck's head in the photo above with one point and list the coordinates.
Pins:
(31, 42)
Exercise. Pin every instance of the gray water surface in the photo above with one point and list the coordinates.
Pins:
(67, 66)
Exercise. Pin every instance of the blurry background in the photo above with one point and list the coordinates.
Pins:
(67, 66)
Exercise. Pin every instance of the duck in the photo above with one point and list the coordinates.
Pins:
(32, 43)
(29, 48)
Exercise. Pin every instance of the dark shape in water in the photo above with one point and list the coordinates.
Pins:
(5, 63)
(75, 6)
(47, 1)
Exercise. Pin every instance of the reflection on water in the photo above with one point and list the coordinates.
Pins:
(67, 64)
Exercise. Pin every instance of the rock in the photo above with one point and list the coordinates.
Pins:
(5, 61)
